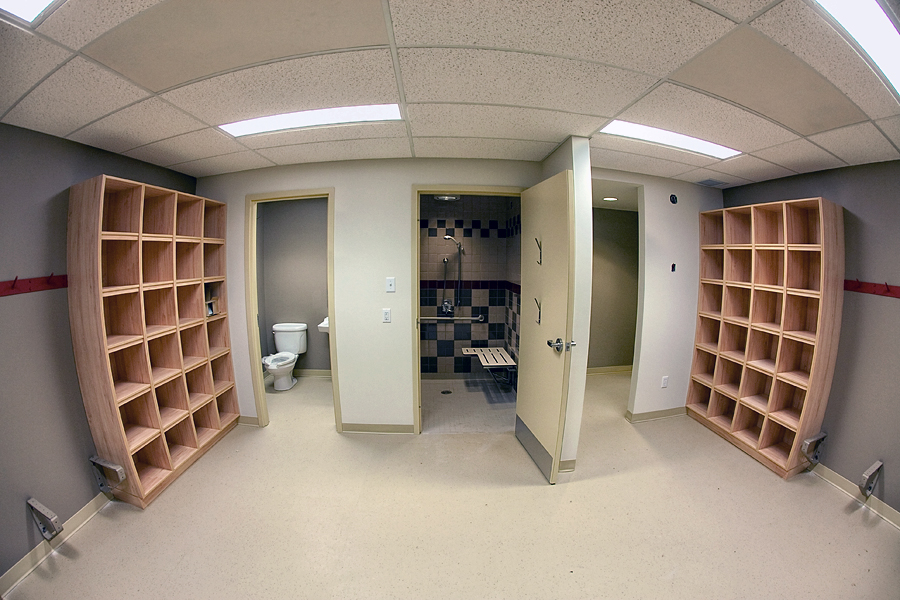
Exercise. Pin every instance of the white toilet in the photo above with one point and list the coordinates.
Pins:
(290, 341)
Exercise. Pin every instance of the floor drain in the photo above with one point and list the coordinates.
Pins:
(445, 392)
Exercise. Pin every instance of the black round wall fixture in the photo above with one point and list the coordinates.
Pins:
(673, 199)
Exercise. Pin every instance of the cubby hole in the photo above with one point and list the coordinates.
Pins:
(728, 377)
(222, 372)
(206, 423)
(737, 304)
(708, 334)
(738, 265)
(182, 442)
(769, 268)
(768, 224)
(157, 262)
(214, 220)
(711, 264)
(120, 263)
(721, 410)
(227, 405)
(215, 298)
(776, 442)
(122, 319)
(188, 260)
(140, 421)
(737, 227)
(711, 230)
(159, 211)
(190, 304)
(733, 341)
(121, 207)
(189, 216)
(801, 317)
(193, 346)
(698, 397)
(748, 424)
(130, 371)
(152, 464)
(804, 270)
(762, 350)
(159, 310)
(787, 403)
(756, 387)
(803, 222)
(766, 311)
(165, 358)
(199, 385)
(704, 367)
(213, 260)
(217, 333)
(711, 299)
(172, 399)
(795, 362)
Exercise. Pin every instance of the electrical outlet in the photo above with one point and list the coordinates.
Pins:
(385, 315)
(665, 382)
(390, 284)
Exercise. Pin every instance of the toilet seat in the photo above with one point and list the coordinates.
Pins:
(280, 359)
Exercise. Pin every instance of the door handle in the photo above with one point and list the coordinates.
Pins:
(558, 345)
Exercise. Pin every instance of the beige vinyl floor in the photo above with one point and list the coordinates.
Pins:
(662, 509)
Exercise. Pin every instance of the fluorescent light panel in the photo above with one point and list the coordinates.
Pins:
(315, 118)
(25, 9)
(867, 23)
(668, 138)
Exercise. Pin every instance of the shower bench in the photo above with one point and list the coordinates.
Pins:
(497, 362)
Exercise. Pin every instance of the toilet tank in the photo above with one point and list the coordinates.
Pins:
(290, 337)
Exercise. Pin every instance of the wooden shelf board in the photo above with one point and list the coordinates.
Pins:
(155, 331)
(214, 279)
(217, 351)
(188, 322)
(115, 290)
(188, 238)
(180, 454)
(808, 337)
(805, 247)
(712, 314)
(735, 355)
(699, 408)
(198, 401)
(128, 236)
(156, 237)
(788, 417)
(729, 389)
(188, 280)
(722, 422)
(114, 341)
(745, 321)
(748, 436)
(157, 285)
(770, 246)
(779, 454)
(704, 378)
(163, 374)
(212, 240)
(126, 390)
(227, 418)
(774, 328)
(797, 378)
(763, 364)
(708, 280)
(803, 292)
(216, 317)
(205, 435)
(768, 287)
(169, 417)
(708, 347)
(190, 362)
(150, 476)
(222, 386)
(757, 403)
(138, 436)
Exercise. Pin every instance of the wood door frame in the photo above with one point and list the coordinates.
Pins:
(252, 300)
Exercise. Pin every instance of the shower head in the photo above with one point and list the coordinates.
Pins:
(450, 237)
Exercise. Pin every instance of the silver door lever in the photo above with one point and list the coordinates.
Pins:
(557, 345)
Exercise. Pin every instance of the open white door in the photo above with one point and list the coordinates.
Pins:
(548, 248)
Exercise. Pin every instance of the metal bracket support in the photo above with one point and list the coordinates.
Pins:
(108, 475)
(812, 447)
(870, 478)
(46, 519)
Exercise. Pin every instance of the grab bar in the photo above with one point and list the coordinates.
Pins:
(479, 318)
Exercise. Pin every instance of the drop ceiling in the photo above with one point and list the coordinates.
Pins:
(489, 79)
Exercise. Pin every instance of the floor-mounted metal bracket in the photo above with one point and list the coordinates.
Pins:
(108, 475)
(870, 478)
(46, 519)
(812, 447)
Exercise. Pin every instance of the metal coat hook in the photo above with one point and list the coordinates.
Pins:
(16, 280)
(539, 311)
(49, 279)
(540, 252)
(887, 288)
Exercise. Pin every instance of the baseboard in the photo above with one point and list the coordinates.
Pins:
(654, 415)
(33, 559)
(242, 420)
(876, 505)
(604, 370)
(312, 372)
(566, 466)
(376, 428)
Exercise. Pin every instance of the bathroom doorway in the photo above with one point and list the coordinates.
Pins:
(469, 298)
(289, 261)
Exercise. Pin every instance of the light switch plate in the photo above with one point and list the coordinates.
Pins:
(390, 284)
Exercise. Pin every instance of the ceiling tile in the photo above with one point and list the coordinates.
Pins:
(338, 150)
(78, 93)
(699, 175)
(190, 146)
(78, 22)
(652, 36)
(331, 80)
(691, 113)
(739, 9)
(517, 79)
(139, 124)
(228, 163)
(801, 30)
(891, 128)
(800, 156)
(446, 147)
(636, 163)
(183, 40)
(25, 59)
(461, 120)
(356, 131)
(857, 144)
(624, 144)
(752, 168)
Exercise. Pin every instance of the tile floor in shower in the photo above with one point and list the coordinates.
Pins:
(474, 405)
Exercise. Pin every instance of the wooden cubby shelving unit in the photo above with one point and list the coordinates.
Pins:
(769, 318)
(154, 364)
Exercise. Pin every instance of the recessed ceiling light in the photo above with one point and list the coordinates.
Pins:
(611, 199)
(25, 9)
(866, 22)
(668, 138)
(315, 118)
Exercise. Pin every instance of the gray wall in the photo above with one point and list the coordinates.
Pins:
(295, 255)
(614, 297)
(44, 437)
(863, 414)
